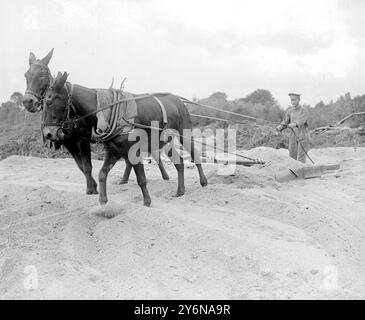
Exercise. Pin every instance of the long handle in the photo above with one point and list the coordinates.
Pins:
(301, 144)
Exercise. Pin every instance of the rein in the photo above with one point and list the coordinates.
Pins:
(110, 106)
(70, 124)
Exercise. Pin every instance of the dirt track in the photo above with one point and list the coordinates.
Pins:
(244, 236)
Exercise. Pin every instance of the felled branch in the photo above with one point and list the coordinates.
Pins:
(337, 125)
(349, 116)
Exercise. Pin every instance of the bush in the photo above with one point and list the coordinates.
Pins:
(26, 141)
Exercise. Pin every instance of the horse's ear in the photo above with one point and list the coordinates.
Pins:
(32, 58)
(64, 77)
(55, 79)
(48, 57)
(61, 80)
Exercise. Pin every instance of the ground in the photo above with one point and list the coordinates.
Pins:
(244, 236)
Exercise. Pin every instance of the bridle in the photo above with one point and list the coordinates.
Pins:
(35, 95)
(67, 124)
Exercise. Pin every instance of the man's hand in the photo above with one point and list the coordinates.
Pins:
(292, 125)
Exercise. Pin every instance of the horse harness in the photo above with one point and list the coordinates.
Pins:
(69, 122)
(67, 125)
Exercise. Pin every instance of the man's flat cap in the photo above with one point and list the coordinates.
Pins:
(294, 94)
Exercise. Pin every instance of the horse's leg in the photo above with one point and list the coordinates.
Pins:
(74, 150)
(195, 156)
(142, 182)
(156, 154)
(84, 146)
(180, 171)
(180, 178)
(127, 172)
(108, 164)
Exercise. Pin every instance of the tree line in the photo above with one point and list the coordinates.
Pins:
(262, 105)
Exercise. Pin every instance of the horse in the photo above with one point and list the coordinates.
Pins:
(59, 100)
(38, 79)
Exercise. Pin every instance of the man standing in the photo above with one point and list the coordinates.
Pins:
(296, 119)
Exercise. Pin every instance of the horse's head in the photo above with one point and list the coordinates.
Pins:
(38, 79)
(56, 109)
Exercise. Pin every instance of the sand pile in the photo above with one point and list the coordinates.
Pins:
(244, 236)
(277, 163)
(275, 159)
(241, 177)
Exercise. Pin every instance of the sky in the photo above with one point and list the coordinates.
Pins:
(191, 48)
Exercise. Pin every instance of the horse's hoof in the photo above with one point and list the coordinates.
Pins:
(180, 193)
(93, 191)
(147, 202)
(204, 182)
(166, 177)
(103, 201)
(123, 181)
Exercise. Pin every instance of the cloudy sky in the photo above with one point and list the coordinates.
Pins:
(191, 47)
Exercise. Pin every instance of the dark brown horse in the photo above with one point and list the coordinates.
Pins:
(39, 78)
(58, 104)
